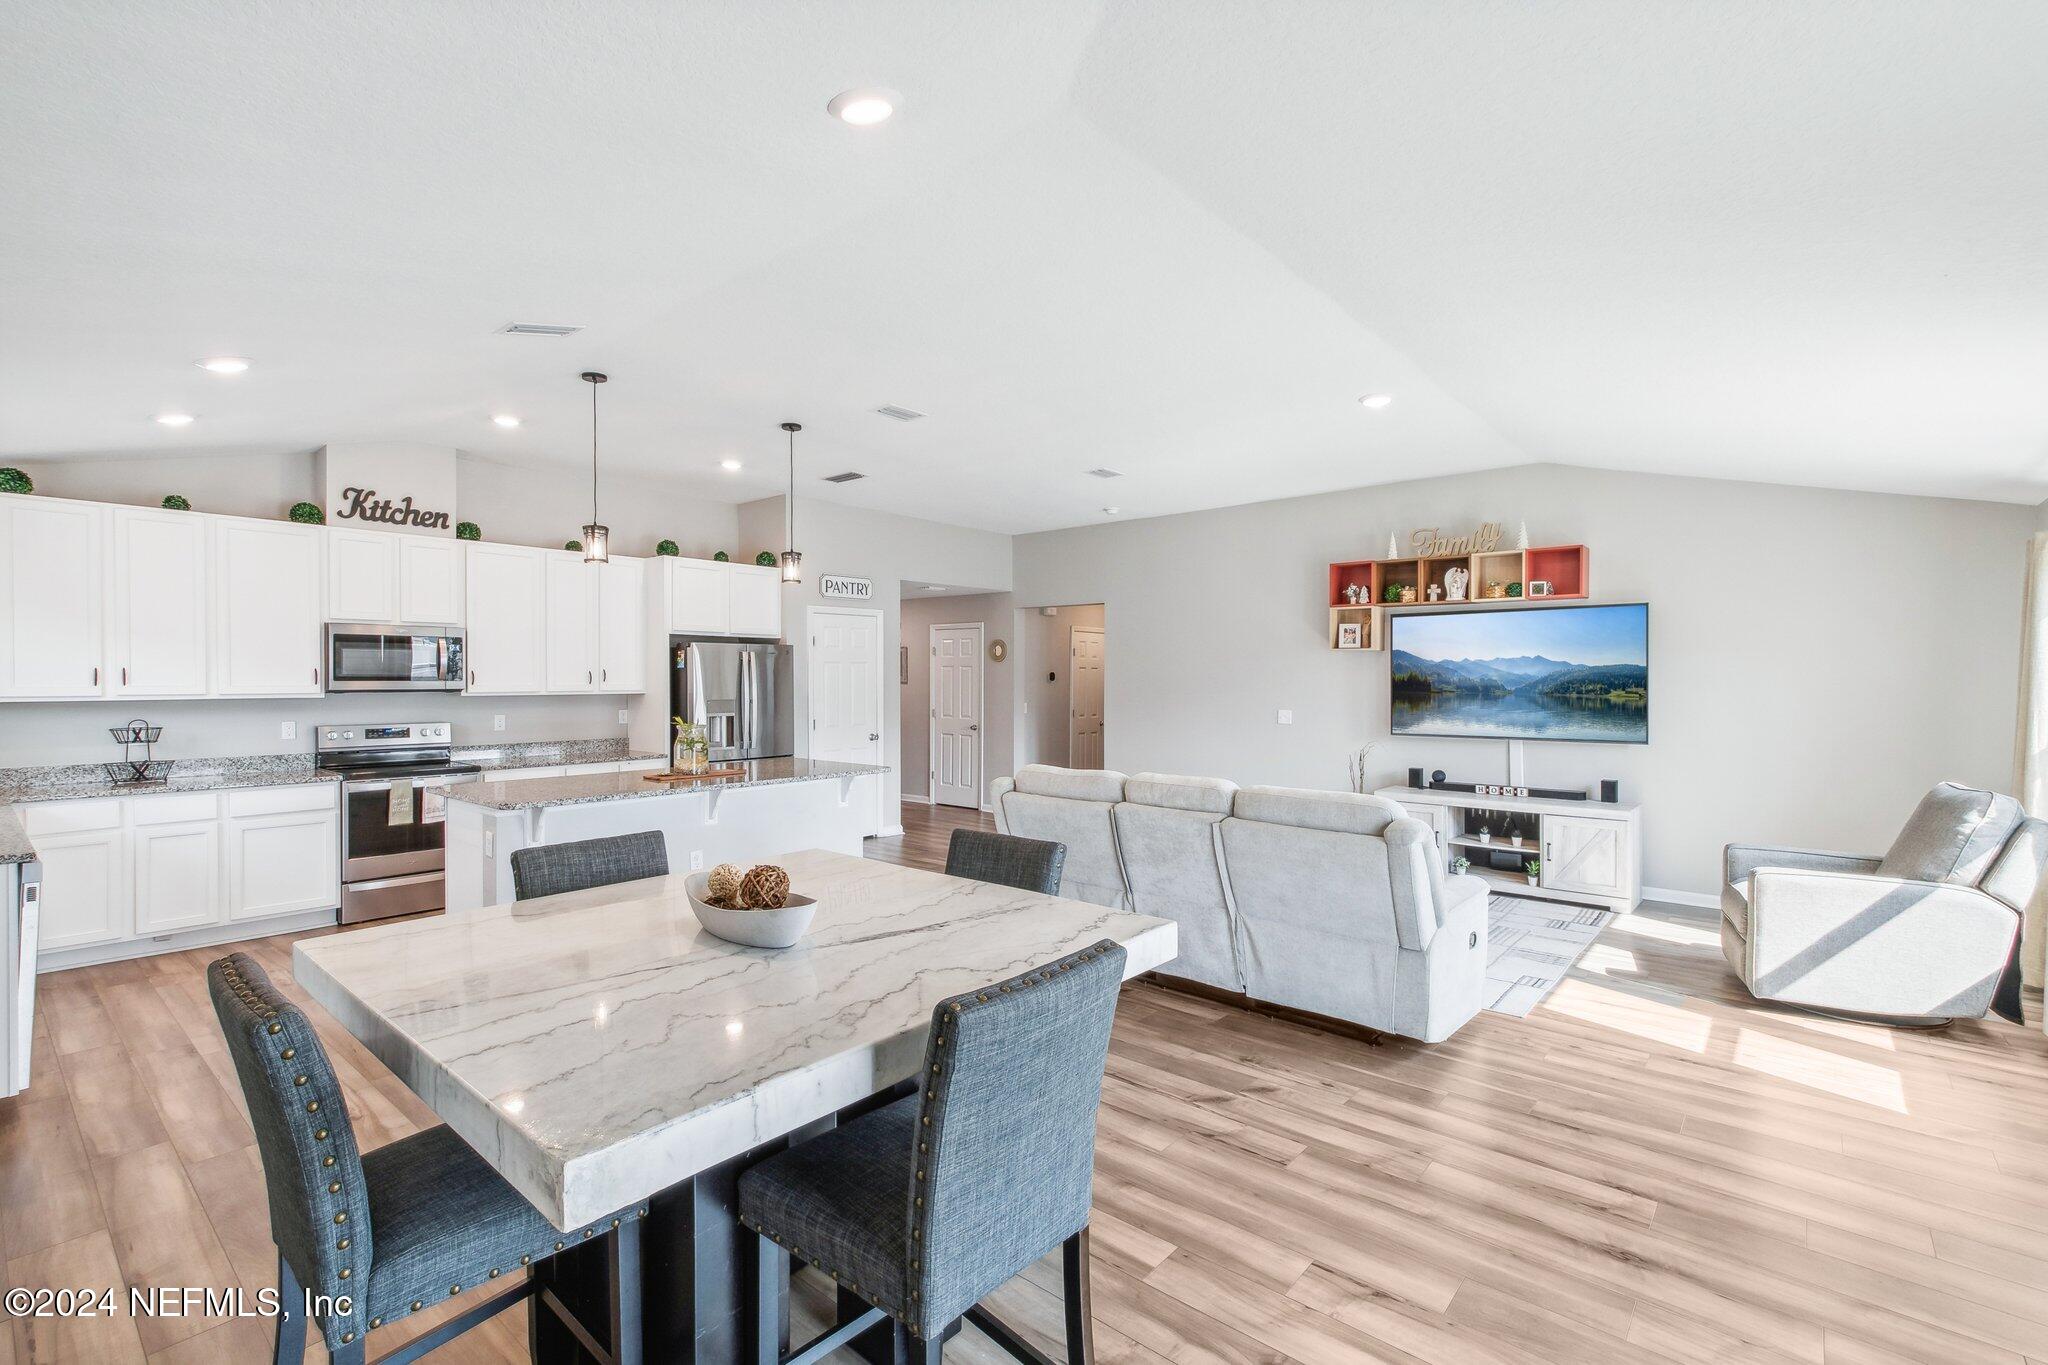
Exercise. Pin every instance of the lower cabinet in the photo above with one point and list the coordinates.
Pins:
(1586, 855)
(282, 862)
(83, 848)
(175, 842)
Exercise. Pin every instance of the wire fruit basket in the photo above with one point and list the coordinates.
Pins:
(137, 733)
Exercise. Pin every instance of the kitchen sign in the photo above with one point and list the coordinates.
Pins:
(846, 589)
(388, 487)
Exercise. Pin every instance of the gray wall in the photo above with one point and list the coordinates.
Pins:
(1818, 658)
(992, 611)
(1043, 686)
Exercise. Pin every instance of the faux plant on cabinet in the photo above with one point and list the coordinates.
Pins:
(668, 549)
(174, 503)
(468, 530)
(765, 559)
(13, 480)
(307, 514)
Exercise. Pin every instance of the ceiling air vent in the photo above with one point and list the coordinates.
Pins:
(900, 414)
(848, 477)
(1107, 473)
(538, 329)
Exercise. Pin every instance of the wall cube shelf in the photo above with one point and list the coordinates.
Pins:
(1563, 567)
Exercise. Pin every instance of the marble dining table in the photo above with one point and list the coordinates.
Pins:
(605, 1054)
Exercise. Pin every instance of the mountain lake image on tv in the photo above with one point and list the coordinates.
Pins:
(1560, 673)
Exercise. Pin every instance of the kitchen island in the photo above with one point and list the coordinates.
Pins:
(779, 804)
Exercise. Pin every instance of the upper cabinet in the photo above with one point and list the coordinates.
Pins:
(157, 604)
(571, 649)
(705, 597)
(52, 576)
(266, 629)
(390, 578)
(621, 625)
(507, 618)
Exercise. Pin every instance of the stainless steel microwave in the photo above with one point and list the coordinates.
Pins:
(373, 658)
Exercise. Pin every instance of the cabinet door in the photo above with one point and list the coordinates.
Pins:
(1586, 855)
(571, 624)
(267, 596)
(362, 576)
(50, 597)
(157, 604)
(507, 612)
(429, 581)
(85, 886)
(281, 863)
(177, 875)
(756, 601)
(621, 625)
(699, 596)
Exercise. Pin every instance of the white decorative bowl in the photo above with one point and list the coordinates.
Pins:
(751, 928)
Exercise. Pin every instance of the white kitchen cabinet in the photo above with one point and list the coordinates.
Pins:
(756, 600)
(175, 844)
(521, 774)
(571, 639)
(621, 625)
(268, 593)
(362, 576)
(158, 605)
(429, 581)
(83, 848)
(507, 619)
(283, 851)
(699, 596)
(1586, 855)
(51, 580)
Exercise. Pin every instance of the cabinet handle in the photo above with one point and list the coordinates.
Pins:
(586, 677)
(124, 675)
(95, 676)
(472, 677)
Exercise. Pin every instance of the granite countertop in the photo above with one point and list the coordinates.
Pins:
(86, 781)
(493, 757)
(533, 793)
(14, 844)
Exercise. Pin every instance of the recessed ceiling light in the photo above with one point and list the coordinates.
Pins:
(862, 108)
(224, 364)
(506, 420)
(175, 419)
(1112, 511)
(730, 466)
(1376, 400)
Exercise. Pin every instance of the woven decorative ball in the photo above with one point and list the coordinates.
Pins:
(764, 888)
(723, 885)
(766, 559)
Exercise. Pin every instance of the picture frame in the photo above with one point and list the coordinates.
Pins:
(1350, 635)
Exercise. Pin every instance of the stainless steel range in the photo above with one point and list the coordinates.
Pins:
(393, 784)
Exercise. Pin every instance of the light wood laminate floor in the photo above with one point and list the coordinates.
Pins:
(1650, 1168)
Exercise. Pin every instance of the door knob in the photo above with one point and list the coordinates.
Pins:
(872, 735)
(974, 727)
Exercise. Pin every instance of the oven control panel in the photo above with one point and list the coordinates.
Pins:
(382, 736)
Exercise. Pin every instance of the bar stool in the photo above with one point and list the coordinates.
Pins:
(1005, 859)
(377, 1237)
(926, 1205)
(551, 869)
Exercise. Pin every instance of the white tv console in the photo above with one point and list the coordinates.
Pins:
(1591, 851)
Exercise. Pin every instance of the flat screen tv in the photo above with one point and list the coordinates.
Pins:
(1554, 673)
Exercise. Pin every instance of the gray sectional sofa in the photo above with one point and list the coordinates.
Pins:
(1327, 902)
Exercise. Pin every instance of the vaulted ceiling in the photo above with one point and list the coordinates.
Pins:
(1743, 238)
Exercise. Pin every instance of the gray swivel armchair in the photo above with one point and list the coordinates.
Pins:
(1918, 937)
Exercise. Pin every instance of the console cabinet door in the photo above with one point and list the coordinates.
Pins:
(429, 581)
(507, 616)
(699, 596)
(50, 597)
(622, 625)
(362, 576)
(756, 601)
(268, 591)
(157, 607)
(1585, 855)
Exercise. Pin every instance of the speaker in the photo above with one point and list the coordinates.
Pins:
(1610, 790)
(1415, 778)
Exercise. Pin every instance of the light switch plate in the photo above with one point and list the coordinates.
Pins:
(289, 730)
(696, 860)
(497, 722)
(1283, 718)
(622, 715)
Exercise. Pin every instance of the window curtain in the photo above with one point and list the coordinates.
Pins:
(2031, 778)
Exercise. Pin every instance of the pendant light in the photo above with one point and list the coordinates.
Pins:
(792, 562)
(596, 538)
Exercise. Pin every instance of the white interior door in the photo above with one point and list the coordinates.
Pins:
(846, 689)
(956, 715)
(1084, 684)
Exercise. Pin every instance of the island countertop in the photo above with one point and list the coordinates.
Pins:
(538, 793)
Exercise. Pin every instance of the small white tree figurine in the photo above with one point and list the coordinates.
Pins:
(1522, 535)
(1393, 546)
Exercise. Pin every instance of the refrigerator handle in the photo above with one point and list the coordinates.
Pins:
(748, 702)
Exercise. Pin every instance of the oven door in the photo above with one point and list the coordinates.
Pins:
(393, 827)
(370, 658)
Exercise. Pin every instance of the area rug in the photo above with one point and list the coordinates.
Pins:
(1530, 945)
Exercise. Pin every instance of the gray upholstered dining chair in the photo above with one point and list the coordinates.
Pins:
(551, 869)
(374, 1237)
(1006, 860)
(924, 1206)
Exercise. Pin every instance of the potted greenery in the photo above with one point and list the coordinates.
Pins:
(692, 747)
(668, 548)
(766, 559)
(13, 480)
(1460, 865)
(1533, 869)
(722, 558)
(174, 503)
(576, 545)
(307, 513)
(468, 530)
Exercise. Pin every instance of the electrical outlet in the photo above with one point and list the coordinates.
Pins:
(622, 715)
(497, 722)
(289, 730)
(1283, 718)
(696, 860)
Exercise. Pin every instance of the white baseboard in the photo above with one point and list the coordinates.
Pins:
(916, 799)
(92, 954)
(1695, 898)
(891, 832)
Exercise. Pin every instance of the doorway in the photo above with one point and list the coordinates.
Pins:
(1062, 715)
(1084, 718)
(846, 690)
(957, 707)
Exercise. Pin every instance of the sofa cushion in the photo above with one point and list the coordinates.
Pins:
(1210, 795)
(1953, 835)
(1072, 784)
(1306, 808)
(2016, 874)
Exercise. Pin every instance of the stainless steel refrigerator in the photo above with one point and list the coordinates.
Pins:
(739, 691)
